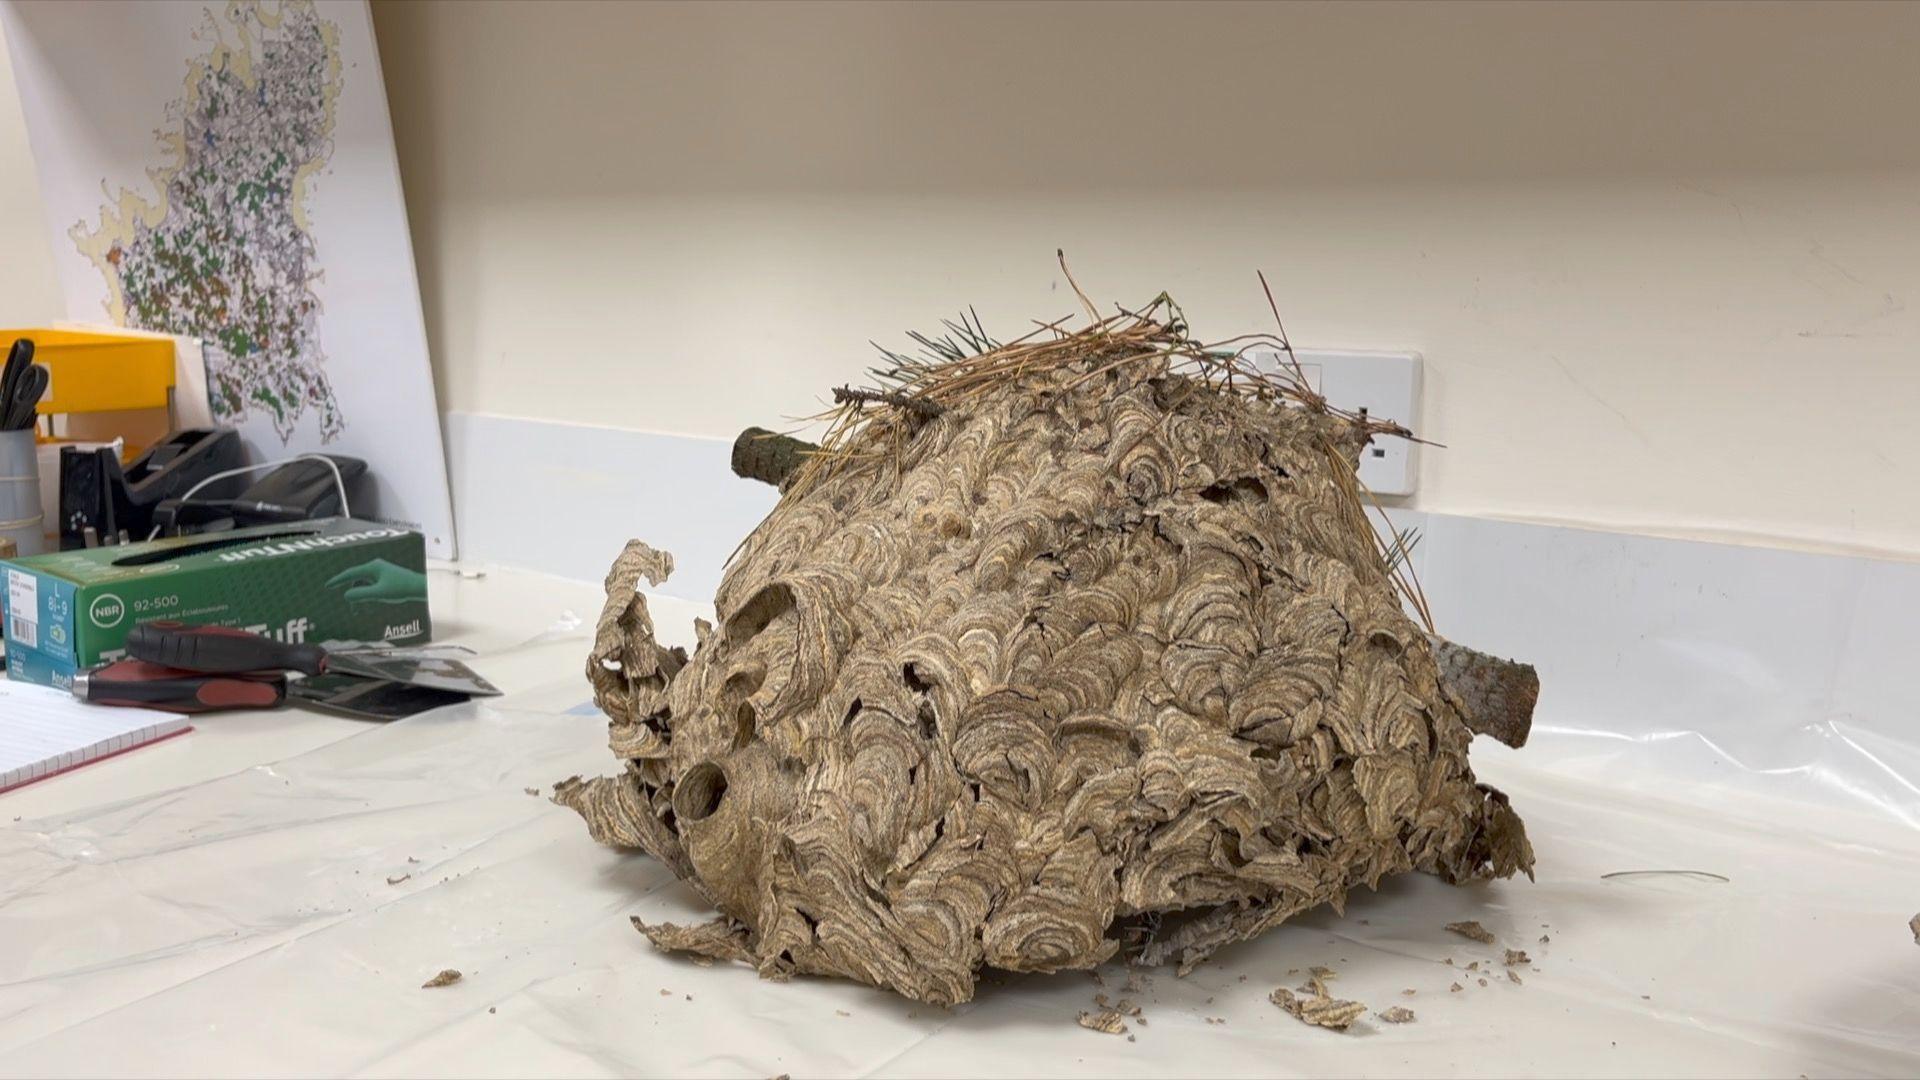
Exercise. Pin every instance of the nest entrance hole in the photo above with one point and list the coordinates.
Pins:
(700, 793)
(757, 613)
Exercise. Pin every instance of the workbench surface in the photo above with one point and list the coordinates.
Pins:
(266, 896)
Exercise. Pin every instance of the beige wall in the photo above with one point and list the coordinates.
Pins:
(29, 294)
(1661, 260)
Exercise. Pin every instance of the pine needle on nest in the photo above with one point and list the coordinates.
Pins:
(871, 426)
(967, 363)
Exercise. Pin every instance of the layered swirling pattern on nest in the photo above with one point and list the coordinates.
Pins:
(1100, 658)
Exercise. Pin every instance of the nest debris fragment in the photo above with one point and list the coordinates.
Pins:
(1054, 651)
(1319, 1009)
(1472, 931)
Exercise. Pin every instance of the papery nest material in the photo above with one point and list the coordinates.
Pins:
(1053, 651)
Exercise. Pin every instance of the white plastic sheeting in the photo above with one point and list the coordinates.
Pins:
(280, 920)
(1671, 664)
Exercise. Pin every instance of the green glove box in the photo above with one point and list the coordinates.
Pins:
(333, 580)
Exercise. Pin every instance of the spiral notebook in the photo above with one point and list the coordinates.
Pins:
(45, 732)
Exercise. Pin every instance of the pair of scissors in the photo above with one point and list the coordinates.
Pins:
(21, 385)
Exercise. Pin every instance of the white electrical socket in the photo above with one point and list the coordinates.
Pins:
(1386, 384)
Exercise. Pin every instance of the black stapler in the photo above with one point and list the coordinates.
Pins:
(100, 501)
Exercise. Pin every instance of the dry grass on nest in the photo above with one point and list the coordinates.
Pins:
(965, 364)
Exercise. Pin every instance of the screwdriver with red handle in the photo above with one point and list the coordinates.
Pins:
(195, 669)
(142, 685)
(219, 650)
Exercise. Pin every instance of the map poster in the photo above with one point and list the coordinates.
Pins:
(224, 170)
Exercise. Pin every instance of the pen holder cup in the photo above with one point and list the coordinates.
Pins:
(21, 519)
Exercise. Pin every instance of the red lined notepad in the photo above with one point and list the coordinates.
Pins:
(45, 732)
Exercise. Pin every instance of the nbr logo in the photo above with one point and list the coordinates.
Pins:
(107, 611)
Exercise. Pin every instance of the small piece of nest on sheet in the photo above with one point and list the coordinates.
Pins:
(1473, 931)
(1518, 958)
(1319, 1009)
(1106, 1021)
(446, 977)
(1399, 1014)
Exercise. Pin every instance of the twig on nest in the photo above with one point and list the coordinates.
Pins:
(917, 406)
(1093, 314)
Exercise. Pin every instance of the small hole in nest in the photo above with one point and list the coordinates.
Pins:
(1244, 490)
(700, 792)
(767, 605)
(742, 684)
(914, 682)
(744, 725)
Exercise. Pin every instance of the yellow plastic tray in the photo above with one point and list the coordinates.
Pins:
(93, 371)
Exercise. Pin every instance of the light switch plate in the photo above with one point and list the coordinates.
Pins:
(1386, 384)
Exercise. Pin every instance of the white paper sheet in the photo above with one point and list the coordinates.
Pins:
(45, 731)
